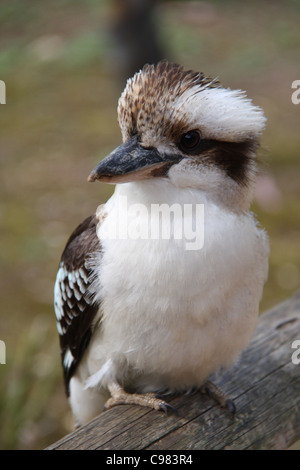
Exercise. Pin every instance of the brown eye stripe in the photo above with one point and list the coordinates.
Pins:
(235, 158)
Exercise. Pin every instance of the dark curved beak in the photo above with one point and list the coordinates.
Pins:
(131, 162)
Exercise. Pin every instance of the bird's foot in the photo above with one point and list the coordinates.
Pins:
(150, 400)
(217, 394)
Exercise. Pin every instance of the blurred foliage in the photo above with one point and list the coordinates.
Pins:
(57, 61)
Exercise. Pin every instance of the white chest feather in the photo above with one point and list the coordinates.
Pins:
(172, 315)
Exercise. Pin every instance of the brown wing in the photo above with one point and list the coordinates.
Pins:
(74, 306)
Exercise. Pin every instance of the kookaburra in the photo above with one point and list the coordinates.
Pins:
(138, 316)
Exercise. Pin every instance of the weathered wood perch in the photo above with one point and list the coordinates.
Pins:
(265, 386)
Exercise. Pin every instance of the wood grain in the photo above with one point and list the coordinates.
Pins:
(264, 384)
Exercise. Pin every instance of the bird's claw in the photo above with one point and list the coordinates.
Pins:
(166, 407)
(229, 404)
(219, 396)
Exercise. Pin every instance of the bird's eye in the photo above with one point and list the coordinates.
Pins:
(190, 141)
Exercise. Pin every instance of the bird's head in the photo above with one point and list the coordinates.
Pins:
(180, 125)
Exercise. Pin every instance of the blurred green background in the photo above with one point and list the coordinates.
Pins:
(63, 71)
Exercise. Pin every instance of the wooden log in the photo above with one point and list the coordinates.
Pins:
(265, 386)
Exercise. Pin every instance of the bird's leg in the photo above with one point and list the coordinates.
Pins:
(217, 394)
(150, 400)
